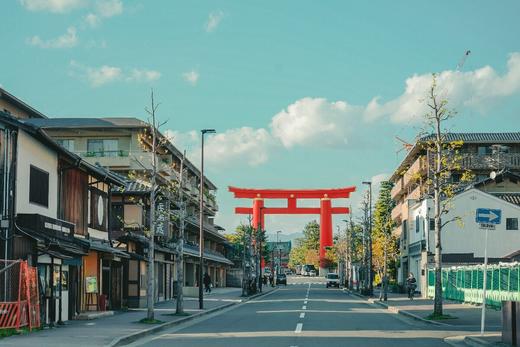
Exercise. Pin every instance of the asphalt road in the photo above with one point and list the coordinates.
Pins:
(303, 313)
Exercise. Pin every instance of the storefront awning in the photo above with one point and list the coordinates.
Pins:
(53, 246)
(105, 247)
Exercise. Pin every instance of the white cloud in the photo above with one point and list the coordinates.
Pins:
(320, 122)
(103, 9)
(214, 20)
(311, 121)
(55, 6)
(109, 8)
(232, 147)
(477, 89)
(317, 121)
(192, 77)
(140, 75)
(67, 40)
(92, 20)
(98, 76)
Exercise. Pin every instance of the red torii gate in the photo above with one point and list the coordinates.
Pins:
(292, 195)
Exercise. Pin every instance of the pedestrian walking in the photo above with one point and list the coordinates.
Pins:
(207, 283)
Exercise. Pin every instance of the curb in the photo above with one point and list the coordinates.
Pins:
(127, 339)
(396, 310)
(477, 341)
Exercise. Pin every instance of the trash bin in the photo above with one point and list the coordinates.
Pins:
(511, 323)
(102, 302)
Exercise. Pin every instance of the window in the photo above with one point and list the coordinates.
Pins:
(456, 177)
(102, 148)
(417, 224)
(405, 229)
(483, 150)
(98, 209)
(432, 224)
(117, 217)
(38, 186)
(67, 144)
(511, 223)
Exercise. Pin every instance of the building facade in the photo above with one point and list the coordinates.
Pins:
(481, 153)
(54, 217)
(122, 145)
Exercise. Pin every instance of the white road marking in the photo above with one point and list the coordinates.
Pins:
(305, 302)
(299, 327)
(304, 307)
(302, 315)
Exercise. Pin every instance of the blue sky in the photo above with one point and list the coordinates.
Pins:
(304, 94)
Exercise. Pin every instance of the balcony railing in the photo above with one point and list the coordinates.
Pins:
(490, 161)
(396, 212)
(418, 169)
(114, 153)
(397, 189)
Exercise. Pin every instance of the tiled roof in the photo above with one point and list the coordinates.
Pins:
(491, 138)
(513, 198)
(116, 122)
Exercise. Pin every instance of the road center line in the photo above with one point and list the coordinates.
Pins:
(305, 302)
(302, 315)
(299, 327)
(304, 307)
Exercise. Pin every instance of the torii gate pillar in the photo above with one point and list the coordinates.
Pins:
(258, 216)
(325, 231)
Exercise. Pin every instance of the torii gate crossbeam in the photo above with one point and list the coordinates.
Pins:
(292, 195)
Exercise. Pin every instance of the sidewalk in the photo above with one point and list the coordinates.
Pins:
(107, 330)
(467, 316)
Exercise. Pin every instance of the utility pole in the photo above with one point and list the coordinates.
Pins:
(201, 215)
(369, 239)
(179, 260)
(279, 251)
(259, 255)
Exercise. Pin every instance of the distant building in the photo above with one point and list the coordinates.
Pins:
(481, 153)
(463, 241)
(278, 254)
(122, 145)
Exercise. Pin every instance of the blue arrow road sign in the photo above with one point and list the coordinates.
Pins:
(488, 216)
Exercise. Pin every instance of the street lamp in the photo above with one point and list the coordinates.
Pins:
(369, 265)
(201, 215)
(279, 251)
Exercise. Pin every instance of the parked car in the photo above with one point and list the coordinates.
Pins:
(281, 279)
(332, 280)
(312, 273)
(307, 269)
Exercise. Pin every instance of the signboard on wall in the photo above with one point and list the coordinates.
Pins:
(162, 217)
(91, 284)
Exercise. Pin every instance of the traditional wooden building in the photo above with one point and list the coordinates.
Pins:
(54, 214)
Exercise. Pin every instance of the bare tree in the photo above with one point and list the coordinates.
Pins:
(150, 288)
(444, 160)
(179, 256)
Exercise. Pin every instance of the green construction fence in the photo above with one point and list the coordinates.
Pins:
(464, 283)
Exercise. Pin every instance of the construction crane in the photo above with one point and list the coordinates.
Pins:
(463, 60)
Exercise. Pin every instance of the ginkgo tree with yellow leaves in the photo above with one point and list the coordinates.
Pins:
(443, 160)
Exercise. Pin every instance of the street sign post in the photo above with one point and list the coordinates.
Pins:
(487, 218)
